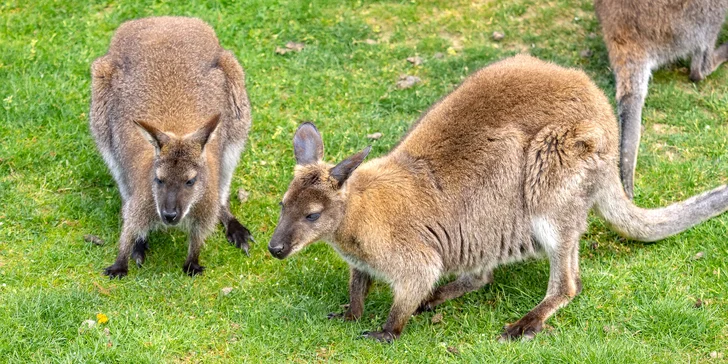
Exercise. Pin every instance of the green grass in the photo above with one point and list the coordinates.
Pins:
(638, 303)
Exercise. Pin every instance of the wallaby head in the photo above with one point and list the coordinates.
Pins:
(316, 199)
(179, 175)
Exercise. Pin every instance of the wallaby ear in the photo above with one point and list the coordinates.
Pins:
(342, 171)
(308, 147)
(153, 135)
(204, 133)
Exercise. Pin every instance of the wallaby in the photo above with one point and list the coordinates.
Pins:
(170, 116)
(643, 35)
(504, 168)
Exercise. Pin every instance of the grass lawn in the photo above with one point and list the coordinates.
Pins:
(639, 300)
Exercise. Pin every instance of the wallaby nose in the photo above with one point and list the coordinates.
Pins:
(275, 250)
(169, 216)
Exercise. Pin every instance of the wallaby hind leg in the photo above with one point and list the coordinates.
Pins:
(192, 265)
(462, 285)
(408, 294)
(561, 246)
(705, 61)
(236, 233)
(632, 83)
(359, 283)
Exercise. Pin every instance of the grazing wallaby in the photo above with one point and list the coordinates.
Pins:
(504, 168)
(170, 115)
(643, 35)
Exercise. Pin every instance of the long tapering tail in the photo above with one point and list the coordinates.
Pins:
(642, 224)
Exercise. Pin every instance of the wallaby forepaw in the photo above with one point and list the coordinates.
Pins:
(193, 269)
(239, 235)
(116, 271)
(381, 336)
(424, 307)
(523, 329)
(139, 254)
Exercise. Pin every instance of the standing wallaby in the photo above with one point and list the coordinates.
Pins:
(643, 35)
(170, 115)
(504, 168)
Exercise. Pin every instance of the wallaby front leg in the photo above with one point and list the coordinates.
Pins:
(126, 242)
(192, 266)
(359, 283)
(236, 233)
(407, 297)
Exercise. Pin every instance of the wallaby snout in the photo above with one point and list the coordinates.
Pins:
(280, 243)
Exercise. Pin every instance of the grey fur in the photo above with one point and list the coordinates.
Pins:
(644, 35)
(167, 80)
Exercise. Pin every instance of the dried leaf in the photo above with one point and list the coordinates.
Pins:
(226, 291)
(295, 46)
(498, 36)
(437, 318)
(101, 289)
(407, 82)
(290, 47)
(453, 350)
(374, 136)
(243, 195)
(699, 255)
(93, 239)
(416, 60)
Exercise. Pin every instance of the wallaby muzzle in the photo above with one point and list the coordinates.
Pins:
(279, 245)
(169, 209)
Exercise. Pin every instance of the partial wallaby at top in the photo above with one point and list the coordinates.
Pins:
(504, 168)
(170, 116)
(643, 35)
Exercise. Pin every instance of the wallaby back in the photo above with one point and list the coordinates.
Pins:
(504, 168)
(170, 116)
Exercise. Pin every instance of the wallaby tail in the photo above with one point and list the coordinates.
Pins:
(641, 224)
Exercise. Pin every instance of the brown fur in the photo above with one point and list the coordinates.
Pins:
(504, 168)
(167, 80)
(643, 35)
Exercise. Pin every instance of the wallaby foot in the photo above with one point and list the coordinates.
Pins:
(139, 252)
(381, 336)
(116, 270)
(193, 268)
(238, 235)
(525, 328)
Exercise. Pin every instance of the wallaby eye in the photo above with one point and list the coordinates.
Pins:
(158, 181)
(191, 182)
(313, 217)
